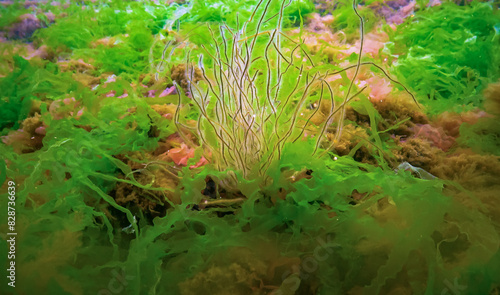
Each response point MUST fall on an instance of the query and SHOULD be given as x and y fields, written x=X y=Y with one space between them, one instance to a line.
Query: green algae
x=94 y=21
x=380 y=229
x=28 y=83
x=450 y=54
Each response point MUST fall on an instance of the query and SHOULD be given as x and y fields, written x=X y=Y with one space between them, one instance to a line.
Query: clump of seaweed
x=447 y=54
x=251 y=103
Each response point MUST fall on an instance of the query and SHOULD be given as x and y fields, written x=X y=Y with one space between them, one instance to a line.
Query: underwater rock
x=395 y=11
x=320 y=24
x=26 y=25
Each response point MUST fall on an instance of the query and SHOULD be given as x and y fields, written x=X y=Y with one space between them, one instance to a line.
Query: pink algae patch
x=182 y=154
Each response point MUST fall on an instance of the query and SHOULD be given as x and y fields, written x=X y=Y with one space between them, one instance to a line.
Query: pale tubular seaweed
x=242 y=106
x=250 y=102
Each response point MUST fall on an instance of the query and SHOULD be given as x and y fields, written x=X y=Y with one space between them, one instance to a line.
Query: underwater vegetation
x=250 y=147
x=450 y=53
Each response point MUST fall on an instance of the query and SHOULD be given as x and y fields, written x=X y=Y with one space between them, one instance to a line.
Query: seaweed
x=10 y=13
x=137 y=193
x=482 y=137
x=28 y=83
x=66 y=181
x=91 y=22
x=323 y=199
x=222 y=11
x=258 y=93
x=448 y=54
x=343 y=18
